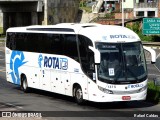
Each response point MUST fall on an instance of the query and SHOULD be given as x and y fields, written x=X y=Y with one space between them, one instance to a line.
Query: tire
x=78 y=95
x=24 y=84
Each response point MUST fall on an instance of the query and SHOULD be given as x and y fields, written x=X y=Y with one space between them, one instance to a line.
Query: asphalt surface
x=60 y=107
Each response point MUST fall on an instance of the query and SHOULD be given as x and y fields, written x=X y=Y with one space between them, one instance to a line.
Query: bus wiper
x=133 y=74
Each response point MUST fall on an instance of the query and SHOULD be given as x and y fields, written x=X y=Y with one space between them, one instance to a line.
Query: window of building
x=140 y=13
x=151 y=14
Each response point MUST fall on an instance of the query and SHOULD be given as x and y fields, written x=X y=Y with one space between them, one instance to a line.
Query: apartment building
x=146 y=8
x=128 y=4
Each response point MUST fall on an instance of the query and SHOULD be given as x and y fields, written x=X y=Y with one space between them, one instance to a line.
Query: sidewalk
x=1 y=48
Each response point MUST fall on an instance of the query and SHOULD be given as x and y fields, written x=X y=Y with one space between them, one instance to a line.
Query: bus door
x=57 y=84
x=45 y=80
x=65 y=78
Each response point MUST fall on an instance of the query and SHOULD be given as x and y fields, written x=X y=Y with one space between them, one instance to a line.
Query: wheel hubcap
x=24 y=85
x=79 y=94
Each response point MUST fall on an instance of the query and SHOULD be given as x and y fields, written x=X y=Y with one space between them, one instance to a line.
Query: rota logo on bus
x=53 y=62
x=135 y=86
x=122 y=36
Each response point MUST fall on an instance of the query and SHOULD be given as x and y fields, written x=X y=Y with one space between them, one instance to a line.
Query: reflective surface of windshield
x=121 y=62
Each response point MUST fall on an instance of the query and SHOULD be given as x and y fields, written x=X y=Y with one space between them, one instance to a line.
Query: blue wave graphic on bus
x=16 y=61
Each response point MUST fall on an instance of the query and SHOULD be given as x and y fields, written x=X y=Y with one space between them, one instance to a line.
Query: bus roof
x=94 y=31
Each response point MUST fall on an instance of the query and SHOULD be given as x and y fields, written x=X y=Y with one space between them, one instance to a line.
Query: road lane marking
x=2 y=67
x=156 y=68
x=153 y=74
x=12 y=105
x=2 y=105
x=3 y=70
x=158 y=55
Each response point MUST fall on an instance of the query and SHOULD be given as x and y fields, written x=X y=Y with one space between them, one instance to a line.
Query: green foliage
x=82 y=4
x=1 y=33
x=137 y=29
x=87 y=9
x=153 y=93
x=1 y=30
x=109 y=15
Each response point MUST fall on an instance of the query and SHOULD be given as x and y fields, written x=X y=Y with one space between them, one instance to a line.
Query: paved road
x=153 y=69
x=13 y=99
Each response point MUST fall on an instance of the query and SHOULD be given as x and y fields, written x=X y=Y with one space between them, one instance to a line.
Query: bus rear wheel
x=79 y=95
x=24 y=84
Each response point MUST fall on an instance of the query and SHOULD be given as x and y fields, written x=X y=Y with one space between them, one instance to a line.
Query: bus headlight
x=105 y=90
x=142 y=89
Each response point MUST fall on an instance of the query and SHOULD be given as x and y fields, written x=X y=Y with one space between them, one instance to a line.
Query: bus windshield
x=121 y=62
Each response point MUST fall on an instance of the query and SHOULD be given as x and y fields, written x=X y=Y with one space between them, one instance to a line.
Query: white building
x=146 y=8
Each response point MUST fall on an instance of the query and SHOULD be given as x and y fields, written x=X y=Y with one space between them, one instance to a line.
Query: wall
x=37 y=12
x=128 y=4
x=108 y=22
x=126 y=15
x=60 y=11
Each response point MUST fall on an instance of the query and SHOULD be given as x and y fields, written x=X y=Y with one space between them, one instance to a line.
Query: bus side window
x=86 y=55
x=8 y=40
x=70 y=46
x=20 y=42
x=91 y=60
x=56 y=47
x=11 y=41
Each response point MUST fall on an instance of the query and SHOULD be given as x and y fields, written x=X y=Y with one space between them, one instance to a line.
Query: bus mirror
x=152 y=52
x=96 y=55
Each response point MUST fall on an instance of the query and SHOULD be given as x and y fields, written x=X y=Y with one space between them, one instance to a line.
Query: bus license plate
x=126 y=97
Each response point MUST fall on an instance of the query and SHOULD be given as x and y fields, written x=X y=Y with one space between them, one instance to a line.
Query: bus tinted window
x=62 y=44
x=86 y=55
x=11 y=41
x=70 y=46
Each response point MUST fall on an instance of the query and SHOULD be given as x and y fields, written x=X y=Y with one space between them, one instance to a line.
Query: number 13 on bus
x=100 y=63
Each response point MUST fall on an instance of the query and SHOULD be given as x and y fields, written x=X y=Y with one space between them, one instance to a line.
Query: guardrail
x=146 y=5
x=155 y=45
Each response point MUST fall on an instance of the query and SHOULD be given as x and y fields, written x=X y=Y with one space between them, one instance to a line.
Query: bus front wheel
x=78 y=95
x=24 y=84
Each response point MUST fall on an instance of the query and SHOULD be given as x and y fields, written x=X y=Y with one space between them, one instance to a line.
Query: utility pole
x=122 y=12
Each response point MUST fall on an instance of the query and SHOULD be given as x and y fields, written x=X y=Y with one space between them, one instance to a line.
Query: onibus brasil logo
x=16 y=61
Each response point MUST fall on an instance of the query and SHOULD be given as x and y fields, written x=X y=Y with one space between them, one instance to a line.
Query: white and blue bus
x=100 y=63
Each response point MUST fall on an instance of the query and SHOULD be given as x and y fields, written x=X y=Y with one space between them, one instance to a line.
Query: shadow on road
x=100 y=106
x=70 y=100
